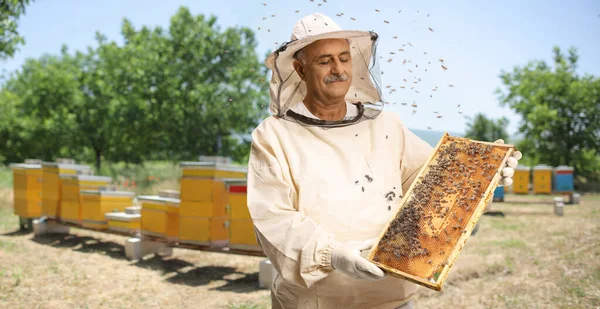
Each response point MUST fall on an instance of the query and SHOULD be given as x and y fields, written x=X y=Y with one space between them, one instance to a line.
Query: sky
x=475 y=39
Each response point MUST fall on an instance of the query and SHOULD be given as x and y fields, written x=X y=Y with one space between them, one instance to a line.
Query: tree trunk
x=98 y=160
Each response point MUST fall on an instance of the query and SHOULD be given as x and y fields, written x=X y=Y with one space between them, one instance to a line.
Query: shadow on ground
x=176 y=270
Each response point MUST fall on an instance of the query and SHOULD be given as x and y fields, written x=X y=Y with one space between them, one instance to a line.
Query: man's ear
x=299 y=69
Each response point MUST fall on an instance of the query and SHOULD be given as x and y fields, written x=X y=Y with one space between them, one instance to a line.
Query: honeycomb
x=437 y=214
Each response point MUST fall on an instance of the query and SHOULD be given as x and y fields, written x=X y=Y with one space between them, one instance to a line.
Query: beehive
x=437 y=214
x=96 y=203
x=542 y=179
x=27 y=189
x=521 y=180
x=241 y=228
x=70 y=203
x=563 y=179
x=52 y=185
x=123 y=222
x=203 y=214
x=160 y=216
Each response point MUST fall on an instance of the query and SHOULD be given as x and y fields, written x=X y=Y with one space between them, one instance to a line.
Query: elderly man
x=321 y=166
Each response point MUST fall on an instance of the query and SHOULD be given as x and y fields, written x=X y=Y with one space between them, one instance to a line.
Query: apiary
x=542 y=179
x=241 y=228
x=160 y=216
x=437 y=214
x=52 y=185
x=70 y=202
x=95 y=203
x=27 y=188
x=123 y=222
x=203 y=212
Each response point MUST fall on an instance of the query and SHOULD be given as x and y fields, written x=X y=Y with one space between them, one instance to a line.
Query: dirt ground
x=528 y=259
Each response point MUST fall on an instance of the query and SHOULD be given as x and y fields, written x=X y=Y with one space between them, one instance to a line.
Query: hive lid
x=213 y=165
x=107 y=193
x=133 y=210
x=86 y=177
x=156 y=198
x=24 y=166
x=67 y=166
x=121 y=216
x=216 y=159
x=235 y=182
x=523 y=168
x=542 y=167
x=564 y=168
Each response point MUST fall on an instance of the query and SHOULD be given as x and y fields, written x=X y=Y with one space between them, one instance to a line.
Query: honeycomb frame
x=425 y=252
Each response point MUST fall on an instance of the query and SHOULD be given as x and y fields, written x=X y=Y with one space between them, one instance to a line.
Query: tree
x=176 y=94
x=483 y=129
x=10 y=11
x=560 y=112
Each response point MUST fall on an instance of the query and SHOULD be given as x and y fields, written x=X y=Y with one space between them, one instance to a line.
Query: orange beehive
x=439 y=211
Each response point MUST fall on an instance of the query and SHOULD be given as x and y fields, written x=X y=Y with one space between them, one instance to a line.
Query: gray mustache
x=335 y=78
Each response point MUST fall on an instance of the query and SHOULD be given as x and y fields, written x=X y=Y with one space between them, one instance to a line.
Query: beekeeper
x=320 y=168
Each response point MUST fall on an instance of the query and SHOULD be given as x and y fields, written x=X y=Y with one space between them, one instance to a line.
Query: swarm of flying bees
x=407 y=48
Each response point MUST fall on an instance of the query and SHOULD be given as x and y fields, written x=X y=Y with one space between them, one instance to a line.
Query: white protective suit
x=311 y=188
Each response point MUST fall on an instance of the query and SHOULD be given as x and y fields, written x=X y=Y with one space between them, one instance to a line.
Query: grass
x=528 y=259
x=5 y=177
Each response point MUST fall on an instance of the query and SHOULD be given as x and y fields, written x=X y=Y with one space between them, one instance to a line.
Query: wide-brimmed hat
x=287 y=88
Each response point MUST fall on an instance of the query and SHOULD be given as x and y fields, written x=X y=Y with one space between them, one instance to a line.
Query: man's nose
x=336 y=67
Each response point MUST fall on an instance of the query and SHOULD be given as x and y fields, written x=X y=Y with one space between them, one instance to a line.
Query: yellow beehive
x=96 y=203
x=521 y=180
x=27 y=190
x=124 y=222
x=241 y=228
x=204 y=200
x=52 y=185
x=70 y=203
x=203 y=231
x=423 y=239
x=542 y=179
x=160 y=216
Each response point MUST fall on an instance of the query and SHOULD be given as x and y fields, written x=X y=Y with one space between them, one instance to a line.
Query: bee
x=430 y=262
x=430 y=29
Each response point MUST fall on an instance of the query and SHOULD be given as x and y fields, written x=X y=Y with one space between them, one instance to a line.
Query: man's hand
x=347 y=259
x=509 y=170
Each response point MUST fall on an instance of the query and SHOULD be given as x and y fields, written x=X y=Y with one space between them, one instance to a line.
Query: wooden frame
x=468 y=225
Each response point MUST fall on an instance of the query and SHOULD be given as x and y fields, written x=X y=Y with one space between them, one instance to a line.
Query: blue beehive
x=563 y=179
x=499 y=194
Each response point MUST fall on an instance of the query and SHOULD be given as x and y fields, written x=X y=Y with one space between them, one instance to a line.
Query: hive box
x=241 y=228
x=521 y=179
x=70 y=205
x=203 y=213
x=123 y=222
x=542 y=179
x=52 y=185
x=563 y=179
x=96 y=203
x=27 y=189
x=160 y=216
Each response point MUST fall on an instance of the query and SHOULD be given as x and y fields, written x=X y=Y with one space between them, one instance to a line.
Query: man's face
x=328 y=69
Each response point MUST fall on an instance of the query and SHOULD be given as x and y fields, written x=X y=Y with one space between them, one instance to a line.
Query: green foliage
x=481 y=128
x=560 y=112
x=10 y=11
x=170 y=94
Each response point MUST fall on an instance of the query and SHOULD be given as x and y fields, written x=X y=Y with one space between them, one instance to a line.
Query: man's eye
x=345 y=60
x=325 y=62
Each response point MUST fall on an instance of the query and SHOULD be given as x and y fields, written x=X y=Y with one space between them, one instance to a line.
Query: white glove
x=509 y=170
x=346 y=258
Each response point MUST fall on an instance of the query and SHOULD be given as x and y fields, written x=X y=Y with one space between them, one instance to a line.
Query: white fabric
x=287 y=87
x=308 y=193
x=300 y=108
x=509 y=170
x=347 y=258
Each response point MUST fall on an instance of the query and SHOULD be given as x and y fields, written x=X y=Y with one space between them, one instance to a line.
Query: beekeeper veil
x=288 y=89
